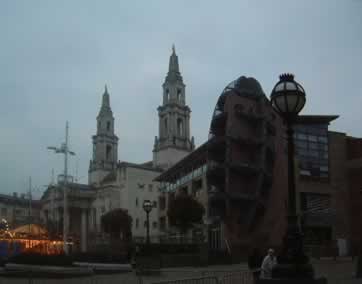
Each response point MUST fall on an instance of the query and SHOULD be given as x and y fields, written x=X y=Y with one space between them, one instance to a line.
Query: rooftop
x=194 y=160
x=314 y=119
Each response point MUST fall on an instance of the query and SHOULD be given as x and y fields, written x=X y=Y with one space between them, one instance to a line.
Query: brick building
x=240 y=176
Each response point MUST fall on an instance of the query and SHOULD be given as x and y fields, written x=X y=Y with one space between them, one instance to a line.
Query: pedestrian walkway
x=337 y=271
x=340 y=271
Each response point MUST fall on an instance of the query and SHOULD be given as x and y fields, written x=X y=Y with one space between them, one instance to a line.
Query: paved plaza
x=339 y=271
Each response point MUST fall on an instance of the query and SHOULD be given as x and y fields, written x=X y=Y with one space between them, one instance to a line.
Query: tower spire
x=173 y=67
x=174 y=119
x=105 y=143
x=106 y=106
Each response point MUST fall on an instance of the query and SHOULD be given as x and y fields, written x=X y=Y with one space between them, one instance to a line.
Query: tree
x=117 y=221
x=184 y=212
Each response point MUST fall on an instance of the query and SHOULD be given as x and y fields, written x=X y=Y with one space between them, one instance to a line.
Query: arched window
x=180 y=127
x=108 y=125
x=179 y=95
x=108 y=152
x=167 y=95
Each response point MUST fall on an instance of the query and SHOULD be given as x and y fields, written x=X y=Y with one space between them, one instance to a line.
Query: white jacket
x=267 y=266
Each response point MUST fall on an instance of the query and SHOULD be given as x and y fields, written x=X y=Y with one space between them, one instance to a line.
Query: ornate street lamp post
x=288 y=99
x=147 y=206
x=64 y=149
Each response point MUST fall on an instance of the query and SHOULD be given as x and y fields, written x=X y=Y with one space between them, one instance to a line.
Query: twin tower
x=173 y=141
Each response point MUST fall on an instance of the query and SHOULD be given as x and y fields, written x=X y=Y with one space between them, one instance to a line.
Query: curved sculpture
x=247 y=167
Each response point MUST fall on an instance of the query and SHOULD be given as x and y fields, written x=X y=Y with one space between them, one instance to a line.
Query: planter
x=26 y=270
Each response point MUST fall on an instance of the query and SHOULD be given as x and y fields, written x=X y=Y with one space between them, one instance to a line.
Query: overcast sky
x=56 y=57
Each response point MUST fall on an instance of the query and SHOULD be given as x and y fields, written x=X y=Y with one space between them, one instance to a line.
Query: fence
x=165 y=276
x=214 y=277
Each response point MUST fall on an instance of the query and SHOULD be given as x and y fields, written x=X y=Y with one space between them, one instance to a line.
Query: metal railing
x=213 y=277
x=163 y=276
x=242 y=277
x=199 y=280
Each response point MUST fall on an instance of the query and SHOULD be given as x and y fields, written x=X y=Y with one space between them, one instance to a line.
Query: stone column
x=160 y=125
x=83 y=233
x=174 y=125
x=187 y=126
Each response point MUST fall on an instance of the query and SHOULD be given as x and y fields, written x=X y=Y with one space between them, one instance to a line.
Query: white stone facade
x=113 y=184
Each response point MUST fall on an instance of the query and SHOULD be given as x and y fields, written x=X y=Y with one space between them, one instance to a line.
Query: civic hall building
x=120 y=184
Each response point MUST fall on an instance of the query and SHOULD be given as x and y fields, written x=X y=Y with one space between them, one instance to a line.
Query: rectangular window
x=4 y=212
x=301 y=144
x=183 y=190
x=162 y=223
x=137 y=223
x=150 y=186
x=108 y=152
x=196 y=186
x=312 y=149
x=313 y=146
x=314 y=202
x=324 y=168
x=94 y=217
x=305 y=172
x=322 y=139
x=162 y=202
x=302 y=136
x=154 y=225
x=154 y=204
x=312 y=138
x=313 y=153
x=303 y=152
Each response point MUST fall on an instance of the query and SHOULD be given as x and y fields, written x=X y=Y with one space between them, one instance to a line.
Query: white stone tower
x=173 y=142
x=105 y=144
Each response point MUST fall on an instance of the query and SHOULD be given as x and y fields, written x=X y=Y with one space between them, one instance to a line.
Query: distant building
x=349 y=193
x=354 y=176
x=18 y=210
x=188 y=175
x=319 y=173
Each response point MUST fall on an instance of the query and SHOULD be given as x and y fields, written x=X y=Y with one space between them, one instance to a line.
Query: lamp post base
x=293 y=271
x=293 y=263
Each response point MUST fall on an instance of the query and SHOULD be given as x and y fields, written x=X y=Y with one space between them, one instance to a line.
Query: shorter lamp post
x=147 y=206
x=288 y=99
